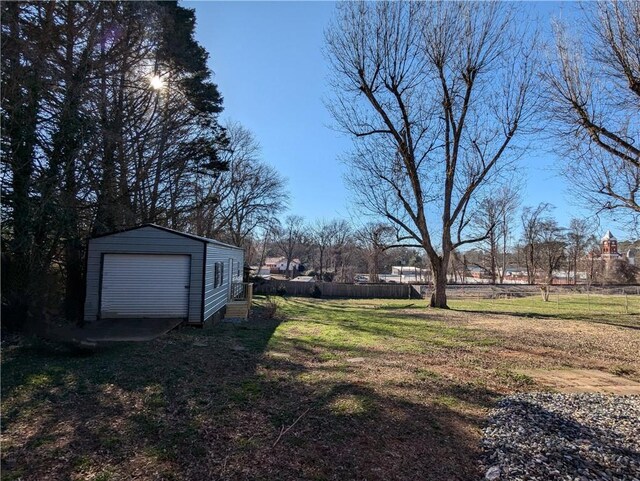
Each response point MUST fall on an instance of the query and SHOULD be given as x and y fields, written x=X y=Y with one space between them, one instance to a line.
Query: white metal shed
x=155 y=272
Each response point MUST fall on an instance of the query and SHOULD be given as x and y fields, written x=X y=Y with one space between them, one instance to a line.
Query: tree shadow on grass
x=351 y=431
x=169 y=409
x=66 y=413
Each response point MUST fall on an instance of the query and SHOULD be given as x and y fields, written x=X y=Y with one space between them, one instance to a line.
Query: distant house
x=261 y=271
x=278 y=265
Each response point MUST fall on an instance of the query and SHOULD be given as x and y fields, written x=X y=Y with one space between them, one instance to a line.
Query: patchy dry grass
x=607 y=309
x=376 y=389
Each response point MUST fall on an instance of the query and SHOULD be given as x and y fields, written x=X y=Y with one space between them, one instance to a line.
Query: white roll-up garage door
x=145 y=285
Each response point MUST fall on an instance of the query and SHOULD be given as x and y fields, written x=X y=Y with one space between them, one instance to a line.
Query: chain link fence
x=562 y=300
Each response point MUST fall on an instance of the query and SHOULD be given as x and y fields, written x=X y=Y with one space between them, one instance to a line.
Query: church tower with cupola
x=609 y=246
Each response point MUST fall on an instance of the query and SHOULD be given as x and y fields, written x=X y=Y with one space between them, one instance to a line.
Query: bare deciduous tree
x=551 y=252
x=579 y=238
x=493 y=216
x=533 y=220
x=328 y=238
x=268 y=232
x=248 y=196
x=374 y=240
x=594 y=97
x=322 y=234
x=543 y=246
x=433 y=95
x=290 y=237
x=339 y=246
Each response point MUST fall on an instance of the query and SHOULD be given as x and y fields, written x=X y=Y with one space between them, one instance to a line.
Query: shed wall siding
x=146 y=240
x=216 y=298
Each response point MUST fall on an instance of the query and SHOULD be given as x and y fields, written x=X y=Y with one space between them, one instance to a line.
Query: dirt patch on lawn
x=584 y=380
x=539 y=344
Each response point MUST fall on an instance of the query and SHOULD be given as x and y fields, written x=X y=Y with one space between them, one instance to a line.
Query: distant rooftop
x=608 y=236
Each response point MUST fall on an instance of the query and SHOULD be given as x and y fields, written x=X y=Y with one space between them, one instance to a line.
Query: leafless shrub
x=269 y=308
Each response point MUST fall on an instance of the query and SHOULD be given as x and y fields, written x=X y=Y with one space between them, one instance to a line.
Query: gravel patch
x=573 y=437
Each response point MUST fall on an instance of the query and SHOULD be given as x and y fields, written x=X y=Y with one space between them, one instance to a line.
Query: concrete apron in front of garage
x=584 y=380
x=116 y=330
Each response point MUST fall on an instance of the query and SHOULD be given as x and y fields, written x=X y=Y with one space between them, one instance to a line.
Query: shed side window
x=218 y=274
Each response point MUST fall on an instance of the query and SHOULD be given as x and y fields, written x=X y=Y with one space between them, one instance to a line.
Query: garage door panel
x=145 y=285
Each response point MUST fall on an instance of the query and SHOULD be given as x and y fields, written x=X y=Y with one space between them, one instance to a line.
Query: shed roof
x=183 y=234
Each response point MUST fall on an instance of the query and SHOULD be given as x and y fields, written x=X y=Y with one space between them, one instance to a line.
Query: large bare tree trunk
x=493 y=250
x=439 y=295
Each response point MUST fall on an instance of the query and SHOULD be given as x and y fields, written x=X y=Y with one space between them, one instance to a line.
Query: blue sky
x=268 y=64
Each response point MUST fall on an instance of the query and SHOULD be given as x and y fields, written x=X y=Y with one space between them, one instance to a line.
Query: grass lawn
x=332 y=390
x=610 y=309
